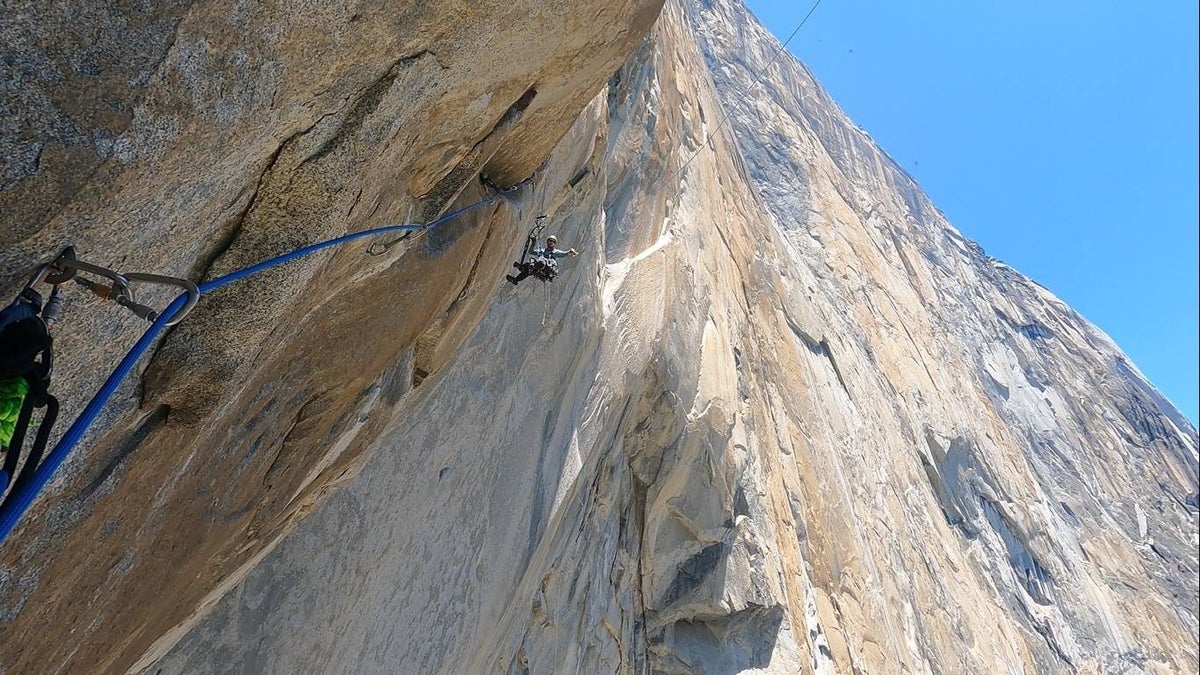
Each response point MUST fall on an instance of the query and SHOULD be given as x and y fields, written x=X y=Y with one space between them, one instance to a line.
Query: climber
x=27 y=356
x=542 y=262
x=26 y=361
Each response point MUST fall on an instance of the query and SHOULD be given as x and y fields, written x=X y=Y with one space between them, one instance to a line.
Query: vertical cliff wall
x=192 y=138
x=779 y=416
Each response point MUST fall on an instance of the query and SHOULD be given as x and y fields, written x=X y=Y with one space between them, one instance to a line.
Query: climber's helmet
x=551 y=241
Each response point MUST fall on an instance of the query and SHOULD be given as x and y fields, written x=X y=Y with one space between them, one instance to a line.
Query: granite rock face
x=193 y=138
x=779 y=416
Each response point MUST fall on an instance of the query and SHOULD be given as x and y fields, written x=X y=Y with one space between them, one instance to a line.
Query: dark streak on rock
x=442 y=193
x=123 y=450
x=692 y=573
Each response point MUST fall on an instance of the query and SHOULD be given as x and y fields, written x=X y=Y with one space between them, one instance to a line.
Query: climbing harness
x=544 y=269
x=27 y=350
x=26 y=362
x=35 y=475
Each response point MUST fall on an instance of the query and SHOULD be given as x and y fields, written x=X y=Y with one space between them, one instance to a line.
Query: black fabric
x=539 y=268
x=39 y=441
x=25 y=345
x=18 y=437
x=21 y=345
x=26 y=351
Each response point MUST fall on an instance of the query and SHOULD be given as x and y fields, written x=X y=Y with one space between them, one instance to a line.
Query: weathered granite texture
x=779 y=417
x=192 y=138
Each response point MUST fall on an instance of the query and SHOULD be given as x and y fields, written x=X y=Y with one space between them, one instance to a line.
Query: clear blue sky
x=1061 y=136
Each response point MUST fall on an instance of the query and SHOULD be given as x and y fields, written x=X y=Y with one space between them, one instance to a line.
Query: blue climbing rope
x=21 y=498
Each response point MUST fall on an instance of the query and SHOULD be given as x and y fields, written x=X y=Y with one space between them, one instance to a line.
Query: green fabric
x=12 y=395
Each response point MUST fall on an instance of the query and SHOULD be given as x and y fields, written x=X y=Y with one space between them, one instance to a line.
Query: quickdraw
x=27 y=350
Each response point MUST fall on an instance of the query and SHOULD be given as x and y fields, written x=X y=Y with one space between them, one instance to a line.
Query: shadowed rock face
x=193 y=138
x=778 y=417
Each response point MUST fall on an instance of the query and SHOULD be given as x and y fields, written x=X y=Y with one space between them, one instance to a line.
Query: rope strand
x=17 y=502
x=756 y=80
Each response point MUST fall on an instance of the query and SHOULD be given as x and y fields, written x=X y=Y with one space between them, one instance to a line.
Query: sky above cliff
x=1060 y=136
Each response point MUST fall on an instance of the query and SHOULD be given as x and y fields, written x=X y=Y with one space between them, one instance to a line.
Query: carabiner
x=67 y=266
x=193 y=292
